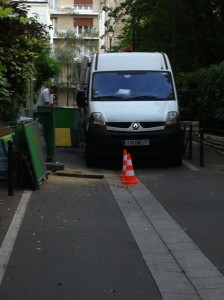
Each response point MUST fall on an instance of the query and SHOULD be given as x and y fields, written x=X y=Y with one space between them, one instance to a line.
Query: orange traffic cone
x=130 y=175
x=125 y=156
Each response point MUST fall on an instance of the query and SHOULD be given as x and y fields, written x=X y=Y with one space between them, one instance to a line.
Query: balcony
x=76 y=10
x=87 y=34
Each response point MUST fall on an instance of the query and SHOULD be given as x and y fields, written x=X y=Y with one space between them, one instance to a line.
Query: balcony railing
x=83 y=8
x=94 y=34
x=70 y=9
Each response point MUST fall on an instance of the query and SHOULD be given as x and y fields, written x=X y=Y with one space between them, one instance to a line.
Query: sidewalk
x=8 y=206
x=74 y=242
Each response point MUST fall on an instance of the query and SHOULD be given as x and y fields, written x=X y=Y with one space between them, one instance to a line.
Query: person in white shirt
x=44 y=98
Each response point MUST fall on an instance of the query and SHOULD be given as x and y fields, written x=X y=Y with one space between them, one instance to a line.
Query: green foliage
x=4 y=85
x=68 y=51
x=46 y=67
x=4 y=12
x=22 y=42
x=190 y=32
x=205 y=89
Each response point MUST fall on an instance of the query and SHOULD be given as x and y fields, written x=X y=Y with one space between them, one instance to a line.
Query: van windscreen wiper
x=146 y=97
x=109 y=98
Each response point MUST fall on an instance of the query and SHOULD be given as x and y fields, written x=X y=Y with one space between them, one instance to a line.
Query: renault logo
x=135 y=126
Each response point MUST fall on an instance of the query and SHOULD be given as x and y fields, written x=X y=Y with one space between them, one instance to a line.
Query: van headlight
x=172 y=120
x=97 y=122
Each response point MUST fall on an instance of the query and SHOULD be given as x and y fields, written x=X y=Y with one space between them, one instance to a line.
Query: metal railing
x=193 y=132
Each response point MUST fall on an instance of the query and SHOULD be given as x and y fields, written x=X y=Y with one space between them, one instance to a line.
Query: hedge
x=205 y=95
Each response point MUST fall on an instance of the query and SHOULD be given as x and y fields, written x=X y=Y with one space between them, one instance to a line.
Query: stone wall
x=216 y=142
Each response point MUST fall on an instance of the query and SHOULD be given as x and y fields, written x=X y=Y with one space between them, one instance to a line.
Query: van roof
x=130 y=61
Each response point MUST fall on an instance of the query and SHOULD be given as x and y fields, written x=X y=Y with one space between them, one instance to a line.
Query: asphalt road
x=92 y=238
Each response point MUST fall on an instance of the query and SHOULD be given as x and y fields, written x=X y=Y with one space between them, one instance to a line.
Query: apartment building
x=79 y=16
x=88 y=19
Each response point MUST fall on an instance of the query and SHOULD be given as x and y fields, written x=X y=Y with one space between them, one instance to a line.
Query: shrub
x=205 y=90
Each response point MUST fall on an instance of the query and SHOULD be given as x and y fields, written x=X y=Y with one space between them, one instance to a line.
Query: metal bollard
x=190 y=142
x=201 y=132
x=10 y=168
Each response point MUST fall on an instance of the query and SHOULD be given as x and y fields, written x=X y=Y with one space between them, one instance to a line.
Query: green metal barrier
x=46 y=117
x=66 y=126
x=30 y=153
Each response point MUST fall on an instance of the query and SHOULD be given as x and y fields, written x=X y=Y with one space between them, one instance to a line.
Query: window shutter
x=83 y=22
x=82 y=2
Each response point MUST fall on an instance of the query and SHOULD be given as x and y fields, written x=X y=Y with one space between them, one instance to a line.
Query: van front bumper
x=163 y=142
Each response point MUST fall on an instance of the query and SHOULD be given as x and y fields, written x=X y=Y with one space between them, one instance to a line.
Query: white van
x=130 y=102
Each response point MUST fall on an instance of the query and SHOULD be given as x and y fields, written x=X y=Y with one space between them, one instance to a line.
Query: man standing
x=44 y=98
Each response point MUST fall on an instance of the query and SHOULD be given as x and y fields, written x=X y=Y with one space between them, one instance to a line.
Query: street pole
x=110 y=42
x=110 y=33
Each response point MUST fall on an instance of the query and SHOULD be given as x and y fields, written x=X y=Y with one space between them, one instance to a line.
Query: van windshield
x=132 y=86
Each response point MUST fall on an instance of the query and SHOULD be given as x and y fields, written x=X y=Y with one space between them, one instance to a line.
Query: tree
x=46 y=68
x=189 y=31
x=22 y=42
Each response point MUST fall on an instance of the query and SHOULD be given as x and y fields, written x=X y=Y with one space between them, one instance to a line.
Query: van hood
x=132 y=111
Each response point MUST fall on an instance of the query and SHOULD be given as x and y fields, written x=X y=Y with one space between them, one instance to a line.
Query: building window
x=83 y=5
x=83 y=8
x=80 y=30
x=54 y=4
x=82 y=25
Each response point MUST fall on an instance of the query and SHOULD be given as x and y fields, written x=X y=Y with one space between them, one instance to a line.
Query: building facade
x=109 y=30
x=78 y=16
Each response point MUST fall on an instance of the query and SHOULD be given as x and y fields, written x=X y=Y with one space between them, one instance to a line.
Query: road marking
x=178 y=266
x=10 y=238
x=190 y=166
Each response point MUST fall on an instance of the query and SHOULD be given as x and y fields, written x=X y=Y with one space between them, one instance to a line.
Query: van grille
x=119 y=124
x=151 y=124
x=128 y=124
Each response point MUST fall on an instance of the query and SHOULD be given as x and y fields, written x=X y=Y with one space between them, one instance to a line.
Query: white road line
x=10 y=238
x=180 y=269
x=190 y=166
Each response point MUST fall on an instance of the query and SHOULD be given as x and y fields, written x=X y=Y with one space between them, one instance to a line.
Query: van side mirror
x=81 y=98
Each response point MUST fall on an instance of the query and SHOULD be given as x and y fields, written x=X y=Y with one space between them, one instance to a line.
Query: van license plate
x=135 y=142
